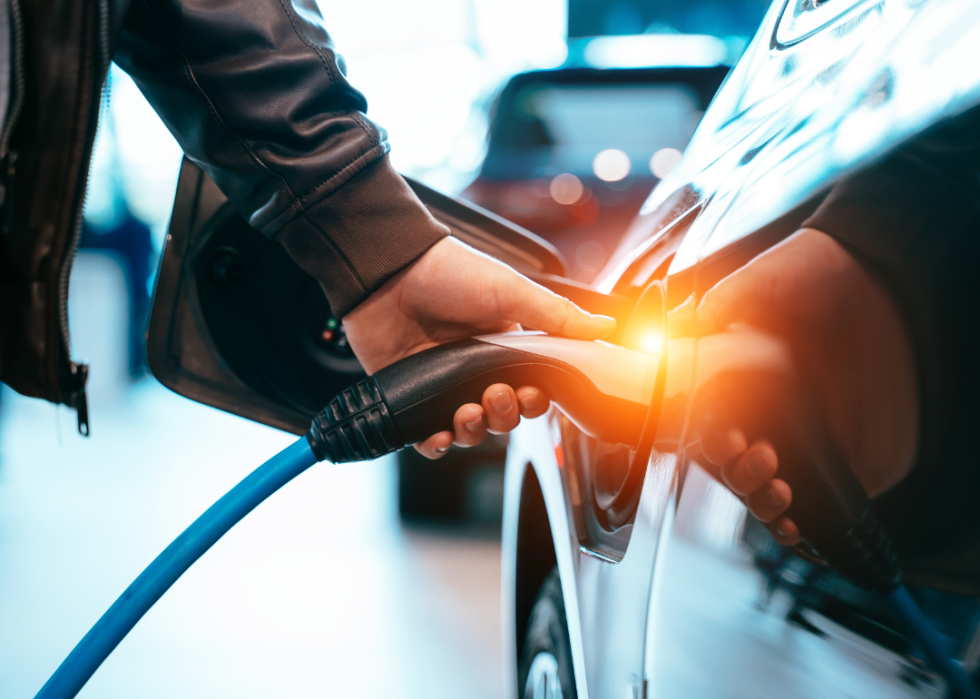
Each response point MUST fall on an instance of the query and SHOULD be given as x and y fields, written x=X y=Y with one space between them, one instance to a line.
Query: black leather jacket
x=255 y=93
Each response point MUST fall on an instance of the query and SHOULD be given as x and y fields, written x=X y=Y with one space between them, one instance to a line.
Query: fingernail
x=474 y=425
x=758 y=465
x=442 y=450
x=529 y=403
x=775 y=499
x=501 y=402
x=782 y=529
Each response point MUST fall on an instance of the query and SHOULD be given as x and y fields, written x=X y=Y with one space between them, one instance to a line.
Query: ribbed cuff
x=355 y=240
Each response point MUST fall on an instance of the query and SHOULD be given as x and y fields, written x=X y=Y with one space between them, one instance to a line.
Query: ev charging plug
x=603 y=388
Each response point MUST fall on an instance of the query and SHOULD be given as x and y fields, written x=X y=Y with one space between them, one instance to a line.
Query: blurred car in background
x=574 y=152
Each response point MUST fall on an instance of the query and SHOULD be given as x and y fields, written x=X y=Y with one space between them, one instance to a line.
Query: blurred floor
x=319 y=592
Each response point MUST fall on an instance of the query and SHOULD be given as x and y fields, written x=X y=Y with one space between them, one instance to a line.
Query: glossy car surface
x=692 y=598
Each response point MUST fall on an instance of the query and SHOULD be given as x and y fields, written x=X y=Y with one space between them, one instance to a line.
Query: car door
x=818 y=95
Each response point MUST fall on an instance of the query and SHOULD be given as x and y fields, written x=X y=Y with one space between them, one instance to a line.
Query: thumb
x=741 y=296
x=531 y=305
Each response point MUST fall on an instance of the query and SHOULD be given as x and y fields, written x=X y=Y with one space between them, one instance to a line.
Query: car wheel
x=546 y=670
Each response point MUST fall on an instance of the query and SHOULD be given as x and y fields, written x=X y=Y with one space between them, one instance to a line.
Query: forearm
x=256 y=93
x=912 y=219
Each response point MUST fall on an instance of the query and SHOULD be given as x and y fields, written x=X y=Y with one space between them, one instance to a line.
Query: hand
x=845 y=333
x=453 y=292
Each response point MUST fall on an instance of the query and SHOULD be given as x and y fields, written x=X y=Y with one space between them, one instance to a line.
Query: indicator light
x=327 y=335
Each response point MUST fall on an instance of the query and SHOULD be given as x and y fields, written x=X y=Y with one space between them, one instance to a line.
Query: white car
x=679 y=594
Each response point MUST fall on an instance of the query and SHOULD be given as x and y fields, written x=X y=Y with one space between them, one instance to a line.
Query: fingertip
x=785 y=531
x=436 y=446
x=605 y=325
x=501 y=409
x=470 y=425
x=753 y=469
x=770 y=501
x=532 y=401
x=723 y=446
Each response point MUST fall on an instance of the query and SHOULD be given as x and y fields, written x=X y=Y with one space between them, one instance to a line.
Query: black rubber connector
x=355 y=426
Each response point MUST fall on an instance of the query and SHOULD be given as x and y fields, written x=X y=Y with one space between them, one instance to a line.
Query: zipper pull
x=79 y=399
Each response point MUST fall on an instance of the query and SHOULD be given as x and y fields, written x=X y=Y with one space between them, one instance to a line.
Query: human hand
x=453 y=292
x=845 y=333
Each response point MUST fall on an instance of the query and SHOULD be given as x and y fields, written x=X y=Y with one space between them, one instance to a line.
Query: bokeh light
x=663 y=161
x=566 y=188
x=590 y=256
x=611 y=165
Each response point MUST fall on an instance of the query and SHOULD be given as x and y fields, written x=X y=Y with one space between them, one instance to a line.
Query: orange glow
x=651 y=342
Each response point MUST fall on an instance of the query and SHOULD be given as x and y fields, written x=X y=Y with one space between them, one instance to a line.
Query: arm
x=877 y=298
x=255 y=92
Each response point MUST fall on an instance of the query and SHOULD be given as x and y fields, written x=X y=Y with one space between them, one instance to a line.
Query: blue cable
x=200 y=536
x=166 y=568
x=961 y=686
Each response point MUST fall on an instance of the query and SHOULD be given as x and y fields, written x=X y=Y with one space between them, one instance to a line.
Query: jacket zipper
x=7 y=158
x=17 y=58
x=79 y=372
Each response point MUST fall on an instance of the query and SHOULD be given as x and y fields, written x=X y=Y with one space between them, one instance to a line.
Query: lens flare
x=651 y=342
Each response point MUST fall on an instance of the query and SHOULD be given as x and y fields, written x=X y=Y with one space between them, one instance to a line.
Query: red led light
x=327 y=335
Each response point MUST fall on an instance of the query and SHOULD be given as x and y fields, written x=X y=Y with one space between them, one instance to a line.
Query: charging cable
x=602 y=388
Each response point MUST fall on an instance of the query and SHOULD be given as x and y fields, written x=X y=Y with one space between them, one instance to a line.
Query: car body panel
x=814 y=98
x=714 y=633
x=600 y=598
x=788 y=123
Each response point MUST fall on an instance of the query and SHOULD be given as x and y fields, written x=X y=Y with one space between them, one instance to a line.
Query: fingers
x=533 y=306
x=723 y=446
x=501 y=409
x=751 y=470
x=734 y=298
x=435 y=446
x=750 y=474
x=469 y=425
x=770 y=501
x=500 y=412
x=785 y=531
x=532 y=401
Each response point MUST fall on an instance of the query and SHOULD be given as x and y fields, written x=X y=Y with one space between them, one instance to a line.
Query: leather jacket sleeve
x=256 y=94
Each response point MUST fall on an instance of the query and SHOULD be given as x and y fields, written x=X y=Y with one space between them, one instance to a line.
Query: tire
x=546 y=670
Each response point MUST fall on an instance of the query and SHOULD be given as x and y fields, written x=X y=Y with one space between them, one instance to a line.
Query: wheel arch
x=535 y=552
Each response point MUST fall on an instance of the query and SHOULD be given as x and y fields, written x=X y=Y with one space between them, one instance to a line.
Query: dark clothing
x=255 y=93
x=914 y=218
x=59 y=55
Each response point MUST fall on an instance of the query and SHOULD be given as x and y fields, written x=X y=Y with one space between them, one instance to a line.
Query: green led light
x=332 y=323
